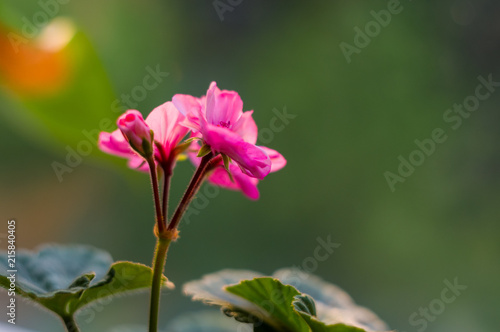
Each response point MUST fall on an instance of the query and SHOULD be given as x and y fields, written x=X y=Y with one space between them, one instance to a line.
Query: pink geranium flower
x=238 y=180
x=246 y=129
x=242 y=182
x=220 y=120
x=164 y=121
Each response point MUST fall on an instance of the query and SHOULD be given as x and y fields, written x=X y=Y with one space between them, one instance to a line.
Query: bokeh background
x=353 y=120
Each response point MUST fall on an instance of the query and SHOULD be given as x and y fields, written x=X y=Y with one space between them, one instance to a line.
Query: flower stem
x=156 y=195
x=194 y=185
x=167 y=174
x=158 y=265
x=165 y=236
x=70 y=324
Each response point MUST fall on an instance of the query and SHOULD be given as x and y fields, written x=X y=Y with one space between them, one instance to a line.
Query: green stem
x=194 y=185
x=158 y=266
x=167 y=174
x=156 y=195
x=166 y=236
x=160 y=250
x=70 y=324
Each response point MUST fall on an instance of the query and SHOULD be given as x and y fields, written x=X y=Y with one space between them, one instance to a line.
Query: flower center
x=224 y=124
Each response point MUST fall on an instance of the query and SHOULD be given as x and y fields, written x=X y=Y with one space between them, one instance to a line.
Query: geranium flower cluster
x=215 y=123
x=220 y=140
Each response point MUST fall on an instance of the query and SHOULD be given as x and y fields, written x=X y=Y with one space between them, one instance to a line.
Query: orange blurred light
x=36 y=67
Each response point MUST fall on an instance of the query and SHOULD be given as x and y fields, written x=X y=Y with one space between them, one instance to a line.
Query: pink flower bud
x=137 y=132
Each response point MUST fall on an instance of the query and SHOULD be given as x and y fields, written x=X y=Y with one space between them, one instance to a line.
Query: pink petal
x=277 y=160
x=191 y=107
x=223 y=108
x=252 y=160
x=245 y=183
x=220 y=178
x=114 y=143
x=246 y=127
x=165 y=121
x=138 y=163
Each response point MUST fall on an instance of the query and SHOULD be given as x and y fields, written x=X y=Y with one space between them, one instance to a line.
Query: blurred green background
x=352 y=122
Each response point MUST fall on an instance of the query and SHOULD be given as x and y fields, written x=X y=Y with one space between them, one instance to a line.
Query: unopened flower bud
x=137 y=132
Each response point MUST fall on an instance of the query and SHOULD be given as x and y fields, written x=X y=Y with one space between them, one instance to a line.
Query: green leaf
x=65 y=279
x=274 y=299
x=182 y=147
x=210 y=289
x=334 y=306
x=122 y=277
x=227 y=161
x=305 y=306
x=262 y=301
x=246 y=317
x=191 y=139
x=239 y=315
x=304 y=303
x=204 y=150
x=291 y=300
